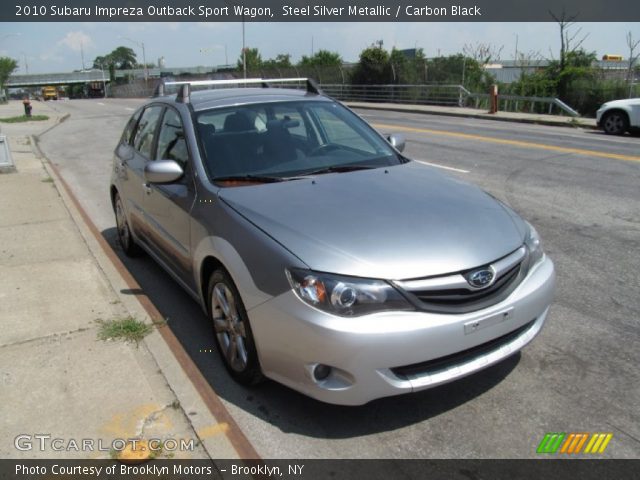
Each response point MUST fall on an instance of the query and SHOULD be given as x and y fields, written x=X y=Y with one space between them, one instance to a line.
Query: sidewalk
x=539 y=119
x=56 y=377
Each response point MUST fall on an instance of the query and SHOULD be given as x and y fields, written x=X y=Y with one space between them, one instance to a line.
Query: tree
x=282 y=60
x=254 y=59
x=569 y=43
x=483 y=53
x=7 y=67
x=122 y=58
x=633 y=57
x=374 y=66
x=322 y=58
x=568 y=40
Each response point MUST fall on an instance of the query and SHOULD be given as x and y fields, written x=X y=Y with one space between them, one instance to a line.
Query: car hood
x=627 y=102
x=401 y=222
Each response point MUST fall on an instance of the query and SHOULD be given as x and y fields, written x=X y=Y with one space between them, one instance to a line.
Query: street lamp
x=144 y=56
x=26 y=64
x=213 y=48
x=244 y=51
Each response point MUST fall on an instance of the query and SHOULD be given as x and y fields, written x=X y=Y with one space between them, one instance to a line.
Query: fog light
x=321 y=372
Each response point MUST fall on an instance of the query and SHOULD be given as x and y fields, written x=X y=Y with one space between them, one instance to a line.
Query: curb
x=481 y=116
x=180 y=374
x=59 y=120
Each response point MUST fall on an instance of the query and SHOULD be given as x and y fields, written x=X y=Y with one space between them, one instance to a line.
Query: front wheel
x=233 y=332
x=615 y=123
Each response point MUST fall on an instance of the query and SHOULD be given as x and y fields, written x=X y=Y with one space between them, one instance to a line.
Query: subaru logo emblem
x=481 y=278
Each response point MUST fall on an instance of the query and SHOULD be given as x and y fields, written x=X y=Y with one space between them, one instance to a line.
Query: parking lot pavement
x=58 y=380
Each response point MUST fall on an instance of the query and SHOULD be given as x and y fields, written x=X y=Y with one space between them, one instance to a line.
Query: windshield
x=288 y=139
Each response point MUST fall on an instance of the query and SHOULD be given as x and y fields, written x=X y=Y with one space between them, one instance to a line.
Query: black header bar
x=318 y=10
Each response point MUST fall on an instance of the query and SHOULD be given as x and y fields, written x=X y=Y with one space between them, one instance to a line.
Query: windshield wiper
x=248 y=178
x=338 y=169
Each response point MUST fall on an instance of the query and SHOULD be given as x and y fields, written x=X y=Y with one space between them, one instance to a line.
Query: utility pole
x=26 y=64
x=144 y=57
x=244 y=51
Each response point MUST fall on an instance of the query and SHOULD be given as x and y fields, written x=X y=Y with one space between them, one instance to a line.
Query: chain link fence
x=583 y=96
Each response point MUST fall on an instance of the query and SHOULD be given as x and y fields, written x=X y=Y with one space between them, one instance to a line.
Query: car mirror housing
x=397 y=141
x=163 y=171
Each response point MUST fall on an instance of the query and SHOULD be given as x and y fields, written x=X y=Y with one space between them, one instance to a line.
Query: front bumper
x=389 y=353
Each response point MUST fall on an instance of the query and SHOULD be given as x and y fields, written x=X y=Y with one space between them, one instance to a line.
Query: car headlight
x=345 y=296
x=534 y=245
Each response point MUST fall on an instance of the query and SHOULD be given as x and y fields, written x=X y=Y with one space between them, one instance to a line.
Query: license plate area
x=494 y=319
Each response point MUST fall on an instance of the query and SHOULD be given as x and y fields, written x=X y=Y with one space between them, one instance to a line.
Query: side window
x=144 y=136
x=128 y=130
x=172 y=144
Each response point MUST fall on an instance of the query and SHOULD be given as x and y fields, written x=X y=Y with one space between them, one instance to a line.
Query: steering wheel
x=327 y=147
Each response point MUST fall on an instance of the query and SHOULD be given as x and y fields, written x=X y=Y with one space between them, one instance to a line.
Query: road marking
x=515 y=143
x=129 y=108
x=100 y=103
x=442 y=166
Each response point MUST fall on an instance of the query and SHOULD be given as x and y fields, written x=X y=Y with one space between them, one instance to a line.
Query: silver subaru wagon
x=325 y=259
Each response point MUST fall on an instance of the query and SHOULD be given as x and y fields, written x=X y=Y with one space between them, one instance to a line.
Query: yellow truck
x=50 y=93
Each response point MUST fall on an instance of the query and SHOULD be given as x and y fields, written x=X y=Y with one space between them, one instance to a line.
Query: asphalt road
x=581 y=189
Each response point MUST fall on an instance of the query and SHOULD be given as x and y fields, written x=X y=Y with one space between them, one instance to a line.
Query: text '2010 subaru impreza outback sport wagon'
x=325 y=259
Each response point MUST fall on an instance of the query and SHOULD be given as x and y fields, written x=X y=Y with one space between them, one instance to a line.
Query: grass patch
x=47 y=180
x=24 y=118
x=127 y=328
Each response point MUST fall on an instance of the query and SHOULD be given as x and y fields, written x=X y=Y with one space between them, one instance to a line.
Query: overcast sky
x=58 y=47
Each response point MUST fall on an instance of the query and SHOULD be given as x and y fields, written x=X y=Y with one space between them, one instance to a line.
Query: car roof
x=223 y=97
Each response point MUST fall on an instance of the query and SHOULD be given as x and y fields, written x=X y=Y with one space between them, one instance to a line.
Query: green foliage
x=373 y=67
x=578 y=84
x=282 y=60
x=7 y=67
x=122 y=58
x=127 y=328
x=459 y=69
x=253 y=57
x=24 y=118
x=322 y=58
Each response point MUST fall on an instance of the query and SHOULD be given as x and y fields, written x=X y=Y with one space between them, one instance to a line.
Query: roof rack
x=184 y=92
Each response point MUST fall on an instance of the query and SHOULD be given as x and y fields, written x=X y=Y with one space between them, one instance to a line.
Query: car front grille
x=459 y=358
x=453 y=293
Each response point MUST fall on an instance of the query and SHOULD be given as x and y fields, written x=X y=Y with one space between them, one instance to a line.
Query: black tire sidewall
x=130 y=248
x=625 y=122
x=252 y=372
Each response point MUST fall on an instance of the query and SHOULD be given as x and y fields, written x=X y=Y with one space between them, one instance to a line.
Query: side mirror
x=162 y=171
x=397 y=141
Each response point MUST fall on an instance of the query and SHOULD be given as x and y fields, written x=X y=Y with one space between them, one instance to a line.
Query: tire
x=125 y=238
x=615 y=123
x=234 y=337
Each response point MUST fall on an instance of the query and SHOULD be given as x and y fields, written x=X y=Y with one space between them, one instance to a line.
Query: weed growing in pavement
x=127 y=328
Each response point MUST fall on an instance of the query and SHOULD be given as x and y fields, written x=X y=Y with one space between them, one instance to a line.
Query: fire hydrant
x=27 y=106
